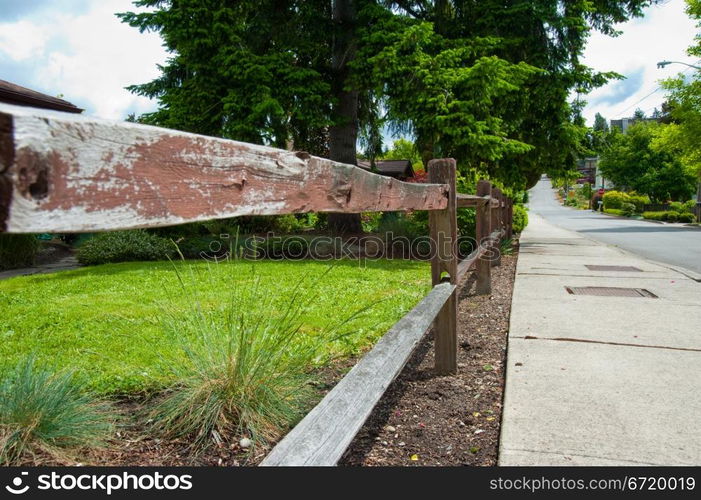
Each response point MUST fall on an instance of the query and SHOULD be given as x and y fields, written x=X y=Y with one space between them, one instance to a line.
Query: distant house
x=11 y=93
x=399 y=169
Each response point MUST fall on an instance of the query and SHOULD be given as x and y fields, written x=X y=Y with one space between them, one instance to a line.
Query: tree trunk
x=343 y=135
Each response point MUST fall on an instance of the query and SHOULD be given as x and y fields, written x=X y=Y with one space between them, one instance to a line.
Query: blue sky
x=79 y=49
x=663 y=34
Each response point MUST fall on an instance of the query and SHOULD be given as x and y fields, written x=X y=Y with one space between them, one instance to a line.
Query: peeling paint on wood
x=6 y=159
x=70 y=173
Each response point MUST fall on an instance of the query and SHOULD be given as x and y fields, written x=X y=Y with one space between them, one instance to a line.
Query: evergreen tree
x=600 y=123
x=486 y=81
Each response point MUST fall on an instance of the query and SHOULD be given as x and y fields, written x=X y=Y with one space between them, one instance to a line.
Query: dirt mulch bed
x=135 y=445
x=425 y=419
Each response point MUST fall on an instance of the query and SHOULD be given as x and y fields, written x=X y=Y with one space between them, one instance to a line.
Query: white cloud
x=21 y=40
x=663 y=34
x=88 y=57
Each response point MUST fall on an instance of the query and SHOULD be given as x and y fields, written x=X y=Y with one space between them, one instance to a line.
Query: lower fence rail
x=322 y=437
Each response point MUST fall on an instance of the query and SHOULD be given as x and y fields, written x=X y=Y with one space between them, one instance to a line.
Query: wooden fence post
x=484 y=228
x=496 y=226
x=444 y=235
x=509 y=218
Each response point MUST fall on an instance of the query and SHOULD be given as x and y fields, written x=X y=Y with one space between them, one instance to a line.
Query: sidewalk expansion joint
x=638 y=277
x=582 y=455
x=622 y=344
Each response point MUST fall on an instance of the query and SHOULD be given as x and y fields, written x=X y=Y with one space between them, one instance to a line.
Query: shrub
x=688 y=207
x=676 y=206
x=287 y=224
x=520 y=220
x=246 y=366
x=416 y=226
x=322 y=221
x=628 y=209
x=506 y=246
x=639 y=200
x=207 y=246
x=672 y=216
x=615 y=199
x=655 y=215
x=17 y=250
x=614 y=211
x=586 y=191
x=45 y=413
x=372 y=220
x=125 y=246
x=685 y=217
x=410 y=226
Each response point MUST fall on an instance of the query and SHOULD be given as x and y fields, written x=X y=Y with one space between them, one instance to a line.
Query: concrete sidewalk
x=600 y=380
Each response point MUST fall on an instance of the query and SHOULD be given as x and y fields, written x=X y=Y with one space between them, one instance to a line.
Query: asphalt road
x=671 y=244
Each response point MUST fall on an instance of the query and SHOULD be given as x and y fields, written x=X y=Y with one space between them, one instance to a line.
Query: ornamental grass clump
x=247 y=365
x=47 y=415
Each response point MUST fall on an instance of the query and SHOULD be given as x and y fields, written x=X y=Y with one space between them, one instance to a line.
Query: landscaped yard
x=107 y=321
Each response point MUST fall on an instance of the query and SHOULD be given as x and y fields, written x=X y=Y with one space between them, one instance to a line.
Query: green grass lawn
x=106 y=321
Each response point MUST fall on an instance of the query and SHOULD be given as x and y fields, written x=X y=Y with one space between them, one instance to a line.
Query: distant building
x=601 y=182
x=625 y=123
x=399 y=169
x=11 y=93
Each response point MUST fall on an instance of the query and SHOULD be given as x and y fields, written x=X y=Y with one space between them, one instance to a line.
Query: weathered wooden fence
x=65 y=173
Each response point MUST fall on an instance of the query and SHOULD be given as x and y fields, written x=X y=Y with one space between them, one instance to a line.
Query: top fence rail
x=65 y=173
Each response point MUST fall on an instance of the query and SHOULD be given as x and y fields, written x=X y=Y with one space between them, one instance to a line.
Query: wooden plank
x=471 y=200
x=443 y=226
x=69 y=173
x=323 y=435
x=468 y=262
x=496 y=225
x=483 y=284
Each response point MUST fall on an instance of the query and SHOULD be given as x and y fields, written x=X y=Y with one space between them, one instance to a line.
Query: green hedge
x=655 y=215
x=615 y=211
x=688 y=206
x=125 y=246
x=628 y=209
x=520 y=219
x=618 y=200
x=17 y=250
x=615 y=199
x=670 y=216
x=639 y=200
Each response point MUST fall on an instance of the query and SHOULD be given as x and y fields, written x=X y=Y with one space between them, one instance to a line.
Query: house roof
x=21 y=96
x=393 y=168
